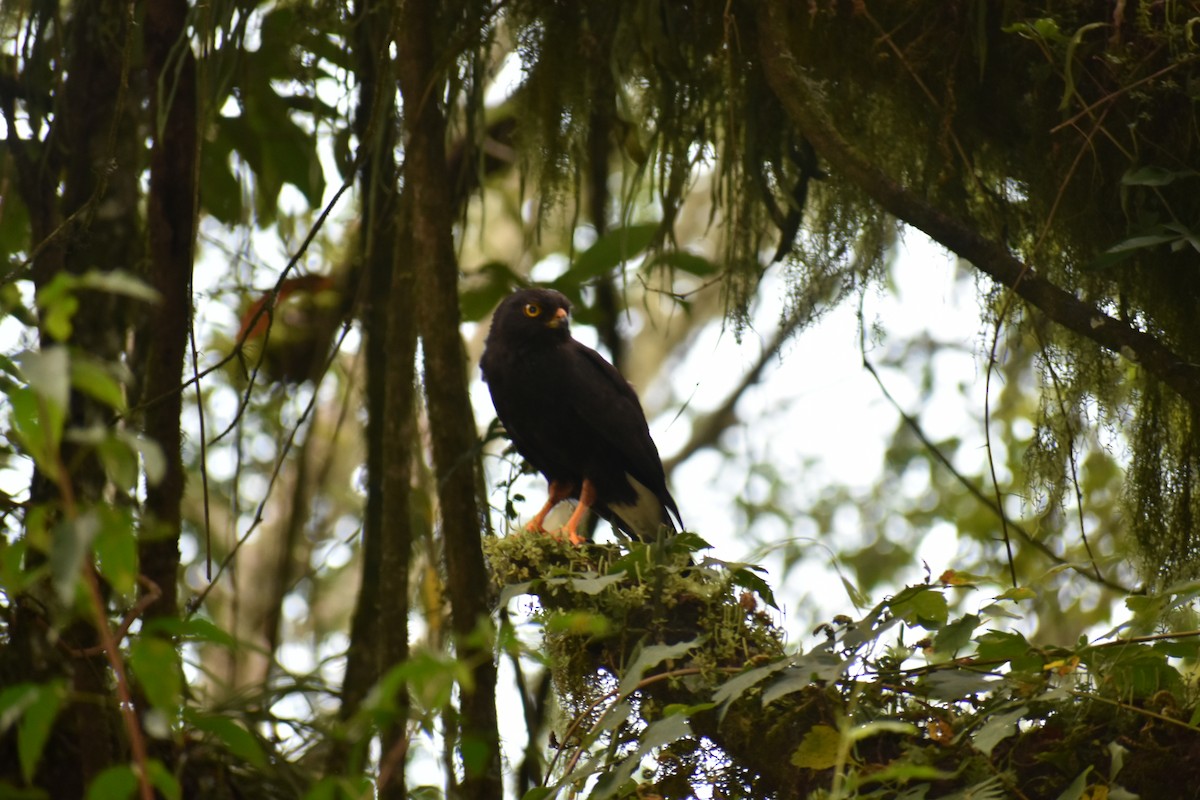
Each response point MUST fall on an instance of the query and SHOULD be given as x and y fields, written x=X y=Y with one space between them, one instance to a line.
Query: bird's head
x=531 y=316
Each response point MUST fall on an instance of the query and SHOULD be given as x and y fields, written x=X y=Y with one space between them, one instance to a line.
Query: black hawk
x=574 y=417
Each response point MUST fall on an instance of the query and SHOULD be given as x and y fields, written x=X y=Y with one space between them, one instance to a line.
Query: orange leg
x=587 y=496
x=559 y=491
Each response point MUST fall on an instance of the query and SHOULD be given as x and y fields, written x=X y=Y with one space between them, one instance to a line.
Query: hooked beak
x=559 y=319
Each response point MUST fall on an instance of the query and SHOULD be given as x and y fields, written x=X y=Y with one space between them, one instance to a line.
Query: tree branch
x=708 y=429
x=800 y=101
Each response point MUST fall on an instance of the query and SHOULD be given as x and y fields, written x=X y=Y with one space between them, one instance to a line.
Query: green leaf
x=36 y=724
x=647 y=657
x=689 y=542
x=16 y=572
x=880 y=726
x=1108 y=260
x=49 y=374
x=220 y=193
x=430 y=678
x=1042 y=28
x=1142 y=242
x=1078 y=786
x=662 y=731
x=155 y=662
x=10 y=792
x=747 y=579
x=116 y=548
x=119 y=282
x=579 y=623
x=956 y=684
x=1069 y=64
x=595 y=584
x=511 y=590
x=1001 y=646
x=991 y=788
x=120 y=462
x=237 y=740
x=71 y=543
x=154 y=463
x=733 y=688
x=273 y=145
x=1132 y=670
x=606 y=253
x=818 y=749
x=98 y=381
x=857 y=597
x=117 y=782
x=1116 y=759
x=956 y=635
x=57 y=304
x=687 y=262
x=39 y=440
x=14 y=222
x=32 y=707
x=687 y=710
x=484 y=289
x=1183 y=648
x=11 y=301
x=921 y=605
x=195 y=629
x=1152 y=175
x=162 y=780
x=615 y=780
x=324 y=789
x=996 y=729
x=900 y=771
x=815 y=667
x=13 y=702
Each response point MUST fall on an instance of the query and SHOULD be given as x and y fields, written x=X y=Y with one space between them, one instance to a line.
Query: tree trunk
x=452 y=425
x=171 y=219
x=379 y=630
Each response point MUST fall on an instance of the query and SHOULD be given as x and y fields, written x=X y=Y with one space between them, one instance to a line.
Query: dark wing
x=609 y=406
x=536 y=421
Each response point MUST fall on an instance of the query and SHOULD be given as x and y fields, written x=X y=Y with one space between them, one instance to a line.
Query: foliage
x=263 y=579
x=652 y=651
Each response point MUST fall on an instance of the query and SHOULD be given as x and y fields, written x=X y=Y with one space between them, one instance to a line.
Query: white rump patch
x=645 y=515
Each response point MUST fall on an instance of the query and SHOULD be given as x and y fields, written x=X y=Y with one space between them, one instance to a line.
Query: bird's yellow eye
x=532 y=309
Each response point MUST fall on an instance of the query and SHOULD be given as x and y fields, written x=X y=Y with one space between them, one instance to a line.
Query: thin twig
x=1072 y=460
x=392 y=760
x=915 y=426
x=137 y=742
x=203 y=456
x=1136 y=709
x=1010 y=296
x=195 y=603
x=987 y=442
x=153 y=592
x=268 y=306
x=1108 y=98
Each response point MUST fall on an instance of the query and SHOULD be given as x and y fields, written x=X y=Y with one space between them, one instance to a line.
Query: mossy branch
x=802 y=104
x=602 y=609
